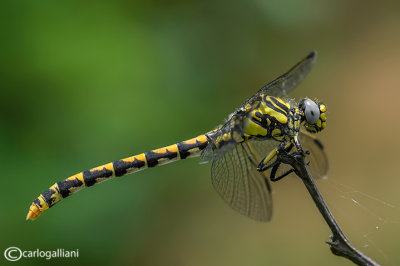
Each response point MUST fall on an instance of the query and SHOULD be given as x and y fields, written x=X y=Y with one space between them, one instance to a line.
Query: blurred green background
x=85 y=83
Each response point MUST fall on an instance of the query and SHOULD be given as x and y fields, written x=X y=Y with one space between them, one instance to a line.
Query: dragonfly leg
x=298 y=146
x=273 y=173
x=266 y=164
x=283 y=148
x=262 y=168
x=283 y=157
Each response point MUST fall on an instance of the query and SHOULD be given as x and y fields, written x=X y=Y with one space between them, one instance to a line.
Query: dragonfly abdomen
x=64 y=188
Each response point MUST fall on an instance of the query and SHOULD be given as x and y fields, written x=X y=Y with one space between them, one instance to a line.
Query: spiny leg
x=263 y=166
x=266 y=164
x=275 y=169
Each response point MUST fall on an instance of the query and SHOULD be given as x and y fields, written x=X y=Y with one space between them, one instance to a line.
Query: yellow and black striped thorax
x=266 y=117
x=271 y=117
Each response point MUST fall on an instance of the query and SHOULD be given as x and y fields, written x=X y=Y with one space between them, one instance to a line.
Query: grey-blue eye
x=311 y=111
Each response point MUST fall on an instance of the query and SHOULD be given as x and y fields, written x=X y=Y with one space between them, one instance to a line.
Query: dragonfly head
x=313 y=114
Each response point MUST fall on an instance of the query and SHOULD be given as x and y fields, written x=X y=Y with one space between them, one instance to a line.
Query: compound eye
x=311 y=111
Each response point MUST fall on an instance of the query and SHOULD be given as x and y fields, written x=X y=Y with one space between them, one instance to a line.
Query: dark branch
x=339 y=245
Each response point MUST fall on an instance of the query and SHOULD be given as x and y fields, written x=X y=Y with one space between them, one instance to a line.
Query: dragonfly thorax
x=271 y=117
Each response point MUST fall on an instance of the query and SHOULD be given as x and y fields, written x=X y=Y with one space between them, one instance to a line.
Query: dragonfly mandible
x=243 y=151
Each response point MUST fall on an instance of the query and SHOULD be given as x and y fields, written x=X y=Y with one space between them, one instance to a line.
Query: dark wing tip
x=312 y=54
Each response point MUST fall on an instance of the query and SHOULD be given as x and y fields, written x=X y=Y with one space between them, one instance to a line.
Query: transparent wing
x=224 y=138
x=318 y=159
x=261 y=148
x=236 y=179
x=288 y=81
x=279 y=87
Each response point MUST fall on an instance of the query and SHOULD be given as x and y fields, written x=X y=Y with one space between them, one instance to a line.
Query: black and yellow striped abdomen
x=70 y=185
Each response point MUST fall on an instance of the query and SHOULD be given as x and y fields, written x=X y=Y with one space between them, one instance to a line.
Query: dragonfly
x=243 y=151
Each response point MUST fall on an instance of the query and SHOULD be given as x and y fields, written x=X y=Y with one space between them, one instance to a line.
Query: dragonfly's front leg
x=267 y=163
x=298 y=146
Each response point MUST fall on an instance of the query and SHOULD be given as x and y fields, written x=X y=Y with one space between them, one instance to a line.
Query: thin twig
x=339 y=245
